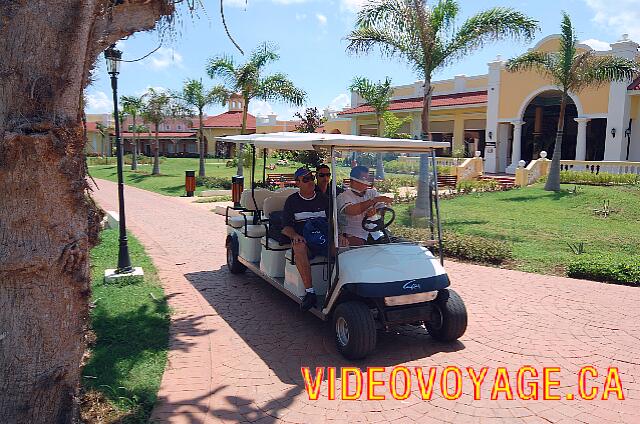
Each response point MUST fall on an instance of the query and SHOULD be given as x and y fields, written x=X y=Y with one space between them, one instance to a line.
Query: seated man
x=356 y=202
x=323 y=177
x=298 y=208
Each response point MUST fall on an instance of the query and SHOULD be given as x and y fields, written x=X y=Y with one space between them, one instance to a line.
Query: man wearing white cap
x=356 y=202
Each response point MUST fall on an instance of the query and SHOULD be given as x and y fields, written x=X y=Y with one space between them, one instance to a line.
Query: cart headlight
x=408 y=299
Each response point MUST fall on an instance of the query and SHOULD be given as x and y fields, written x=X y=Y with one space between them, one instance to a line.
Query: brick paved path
x=237 y=344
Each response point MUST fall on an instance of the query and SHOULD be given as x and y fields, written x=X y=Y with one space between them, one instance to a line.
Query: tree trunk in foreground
x=379 y=161
x=134 y=150
x=47 y=220
x=201 y=172
x=422 y=208
x=553 y=179
x=156 y=155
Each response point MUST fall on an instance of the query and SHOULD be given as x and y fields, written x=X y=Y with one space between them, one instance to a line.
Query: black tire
x=360 y=329
x=235 y=267
x=451 y=321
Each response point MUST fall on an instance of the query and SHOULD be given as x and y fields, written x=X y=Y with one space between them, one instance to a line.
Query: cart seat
x=318 y=260
x=275 y=244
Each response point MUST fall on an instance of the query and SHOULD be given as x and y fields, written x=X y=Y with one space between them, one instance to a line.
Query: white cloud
x=322 y=20
x=301 y=16
x=236 y=3
x=623 y=17
x=597 y=44
x=98 y=102
x=340 y=101
x=289 y=1
x=292 y=111
x=351 y=5
x=260 y=108
x=164 y=58
x=157 y=88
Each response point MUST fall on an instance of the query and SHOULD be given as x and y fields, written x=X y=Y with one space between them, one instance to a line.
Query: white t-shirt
x=352 y=224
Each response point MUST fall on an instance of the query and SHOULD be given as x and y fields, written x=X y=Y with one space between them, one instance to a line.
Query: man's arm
x=361 y=207
x=288 y=219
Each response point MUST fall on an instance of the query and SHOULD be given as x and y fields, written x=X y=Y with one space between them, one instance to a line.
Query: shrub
x=411 y=167
x=603 y=178
x=214 y=182
x=463 y=246
x=391 y=184
x=606 y=268
x=468 y=186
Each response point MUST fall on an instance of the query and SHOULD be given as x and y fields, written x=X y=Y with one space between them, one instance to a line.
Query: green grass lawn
x=171 y=180
x=538 y=224
x=131 y=325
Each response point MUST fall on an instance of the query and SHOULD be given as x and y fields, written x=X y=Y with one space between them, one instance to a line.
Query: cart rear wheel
x=449 y=321
x=355 y=330
x=235 y=267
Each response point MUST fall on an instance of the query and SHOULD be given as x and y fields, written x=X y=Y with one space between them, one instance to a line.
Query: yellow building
x=227 y=123
x=510 y=117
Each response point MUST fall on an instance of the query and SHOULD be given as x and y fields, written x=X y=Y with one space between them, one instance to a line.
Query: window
x=179 y=127
x=192 y=148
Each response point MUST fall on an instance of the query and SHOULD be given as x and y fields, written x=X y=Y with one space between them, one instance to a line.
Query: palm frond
x=379 y=13
x=375 y=94
x=391 y=43
x=599 y=70
x=263 y=55
x=222 y=67
x=218 y=94
x=491 y=25
x=542 y=62
x=568 y=43
x=443 y=16
x=279 y=87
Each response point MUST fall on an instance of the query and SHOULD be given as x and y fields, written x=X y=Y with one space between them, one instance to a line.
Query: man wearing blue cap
x=356 y=202
x=299 y=208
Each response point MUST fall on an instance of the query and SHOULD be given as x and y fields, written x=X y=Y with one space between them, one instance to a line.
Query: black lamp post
x=113 y=58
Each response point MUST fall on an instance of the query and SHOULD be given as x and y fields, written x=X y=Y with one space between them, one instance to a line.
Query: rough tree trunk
x=134 y=150
x=156 y=154
x=553 y=180
x=422 y=208
x=239 y=146
x=379 y=162
x=47 y=220
x=201 y=171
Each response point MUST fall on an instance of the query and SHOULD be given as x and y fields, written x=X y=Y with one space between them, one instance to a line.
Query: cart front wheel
x=449 y=320
x=235 y=267
x=355 y=329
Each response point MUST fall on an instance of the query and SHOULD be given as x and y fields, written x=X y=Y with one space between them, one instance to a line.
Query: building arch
x=541 y=90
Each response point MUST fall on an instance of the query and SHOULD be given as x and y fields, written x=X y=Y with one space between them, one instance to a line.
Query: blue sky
x=310 y=35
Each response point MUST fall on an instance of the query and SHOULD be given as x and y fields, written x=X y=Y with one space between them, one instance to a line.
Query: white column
x=516 y=146
x=581 y=142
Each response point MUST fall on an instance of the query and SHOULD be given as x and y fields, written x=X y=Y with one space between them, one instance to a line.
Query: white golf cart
x=361 y=289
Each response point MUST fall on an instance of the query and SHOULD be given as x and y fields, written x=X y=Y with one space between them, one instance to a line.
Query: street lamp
x=113 y=58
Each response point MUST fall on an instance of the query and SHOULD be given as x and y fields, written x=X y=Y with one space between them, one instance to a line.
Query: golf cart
x=360 y=289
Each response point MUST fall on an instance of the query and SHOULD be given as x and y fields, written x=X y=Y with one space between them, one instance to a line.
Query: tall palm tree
x=248 y=80
x=427 y=38
x=572 y=71
x=102 y=130
x=157 y=107
x=132 y=106
x=196 y=99
x=378 y=96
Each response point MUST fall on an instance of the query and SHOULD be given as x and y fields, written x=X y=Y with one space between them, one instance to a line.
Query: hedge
x=606 y=268
x=463 y=246
x=214 y=182
x=603 y=178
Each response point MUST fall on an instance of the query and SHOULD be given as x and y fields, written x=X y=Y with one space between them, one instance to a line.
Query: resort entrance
x=541 y=123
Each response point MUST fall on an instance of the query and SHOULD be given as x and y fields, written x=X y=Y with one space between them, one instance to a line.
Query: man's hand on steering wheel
x=372 y=225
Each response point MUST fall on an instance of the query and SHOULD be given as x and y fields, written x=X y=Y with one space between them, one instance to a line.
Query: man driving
x=300 y=207
x=356 y=203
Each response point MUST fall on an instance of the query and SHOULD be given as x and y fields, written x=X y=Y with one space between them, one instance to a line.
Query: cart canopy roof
x=312 y=141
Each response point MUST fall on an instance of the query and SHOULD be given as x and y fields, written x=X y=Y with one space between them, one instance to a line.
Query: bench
x=281 y=180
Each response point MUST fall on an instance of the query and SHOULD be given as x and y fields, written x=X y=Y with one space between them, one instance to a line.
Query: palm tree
x=157 y=107
x=248 y=80
x=571 y=71
x=102 y=130
x=378 y=96
x=132 y=106
x=427 y=38
x=196 y=99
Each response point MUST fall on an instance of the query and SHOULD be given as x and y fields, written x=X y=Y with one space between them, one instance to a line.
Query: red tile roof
x=232 y=119
x=458 y=99
x=92 y=126
x=635 y=85
x=161 y=134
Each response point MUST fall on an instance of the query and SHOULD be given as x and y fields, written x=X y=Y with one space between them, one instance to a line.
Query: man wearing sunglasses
x=323 y=184
x=298 y=209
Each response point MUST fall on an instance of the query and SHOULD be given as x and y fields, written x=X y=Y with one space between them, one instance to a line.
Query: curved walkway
x=237 y=344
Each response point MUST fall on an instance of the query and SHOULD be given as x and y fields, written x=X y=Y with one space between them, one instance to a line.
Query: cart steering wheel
x=377 y=222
